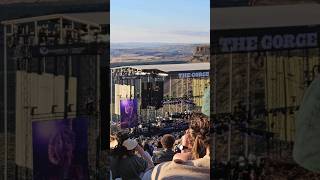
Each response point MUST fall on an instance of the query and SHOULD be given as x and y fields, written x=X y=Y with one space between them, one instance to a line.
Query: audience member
x=196 y=169
x=125 y=163
x=166 y=154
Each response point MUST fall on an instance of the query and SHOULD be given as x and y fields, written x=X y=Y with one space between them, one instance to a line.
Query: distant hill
x=134 y=45
x=150 y=53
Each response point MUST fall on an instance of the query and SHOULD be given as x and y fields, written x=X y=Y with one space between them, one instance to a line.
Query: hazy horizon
x=159 y=42
x=148 y=45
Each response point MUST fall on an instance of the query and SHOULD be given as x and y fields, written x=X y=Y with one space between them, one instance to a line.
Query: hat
x=130 y=144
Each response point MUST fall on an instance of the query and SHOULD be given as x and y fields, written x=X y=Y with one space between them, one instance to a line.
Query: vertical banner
x=60 y=149
x=122 y=91
x=129 y=113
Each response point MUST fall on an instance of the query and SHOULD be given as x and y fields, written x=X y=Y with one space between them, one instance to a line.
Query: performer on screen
x=129 y=115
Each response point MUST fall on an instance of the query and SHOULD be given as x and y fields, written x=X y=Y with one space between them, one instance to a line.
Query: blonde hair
x=199 y=130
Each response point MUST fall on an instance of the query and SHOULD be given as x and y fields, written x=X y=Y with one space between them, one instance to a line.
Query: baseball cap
x=130 y=144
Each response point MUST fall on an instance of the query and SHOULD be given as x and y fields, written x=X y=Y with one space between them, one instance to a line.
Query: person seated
x=185 y=149
x=125 y=163
x=166 y=154
x=196 y=169
x=148 y=148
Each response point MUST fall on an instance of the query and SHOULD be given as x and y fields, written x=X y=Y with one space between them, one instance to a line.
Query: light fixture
x=163 y=74
x=140 y=73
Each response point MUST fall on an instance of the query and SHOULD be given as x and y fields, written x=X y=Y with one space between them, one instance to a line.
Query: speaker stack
x=151 y=94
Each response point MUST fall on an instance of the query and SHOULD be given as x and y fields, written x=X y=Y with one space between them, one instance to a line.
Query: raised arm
x=140 y=150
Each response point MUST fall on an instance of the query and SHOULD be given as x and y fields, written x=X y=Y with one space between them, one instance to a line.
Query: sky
x=165 y=21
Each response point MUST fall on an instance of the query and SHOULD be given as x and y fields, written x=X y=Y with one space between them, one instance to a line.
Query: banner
x=196 y=74
x=64 y=50
x=129 y=113
x=264 y=39
x=60 y=149
x=122 y=91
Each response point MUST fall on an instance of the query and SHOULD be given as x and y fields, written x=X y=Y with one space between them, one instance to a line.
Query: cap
x=130 y=144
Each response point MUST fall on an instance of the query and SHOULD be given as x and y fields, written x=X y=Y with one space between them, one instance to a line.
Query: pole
x=248 y=105
x=111 y=96
x=279 y=104
x=181 y=102
x=215 y=111
x=5 y=94
x=170 y=93
x=285 y=97
x=99 y=118
x=177 y=94
x=267 y=101
x=66 y=84
x=148 y=104
x=140 y=95
x=230 y=106
x=187 y=94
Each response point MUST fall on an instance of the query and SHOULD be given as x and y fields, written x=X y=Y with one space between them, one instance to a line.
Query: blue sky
x=171 y=21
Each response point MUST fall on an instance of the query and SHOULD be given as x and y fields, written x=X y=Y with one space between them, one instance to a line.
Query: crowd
x=263 y=169
x=250 y=168
x=179 y=155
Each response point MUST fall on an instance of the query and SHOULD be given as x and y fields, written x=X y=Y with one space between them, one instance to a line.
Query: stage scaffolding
x=61 y=51
x=181 y=95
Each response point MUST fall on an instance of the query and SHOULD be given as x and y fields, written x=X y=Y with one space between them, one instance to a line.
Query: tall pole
x=285 y=97
x=181 y=102
x=170 y=89
x=248 y=105
x=267 y=101
x=162 y=108
x=111 y=96
x=214 y=85
x=66 y=84
x=140 y=95
x=99 y=117
x=187 y=94
x=230 y=106
x=177 y=94
x=148 y=104
x=5 y=94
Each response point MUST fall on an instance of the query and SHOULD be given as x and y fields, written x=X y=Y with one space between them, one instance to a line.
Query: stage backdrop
x=129 y=113
x=60 y=149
